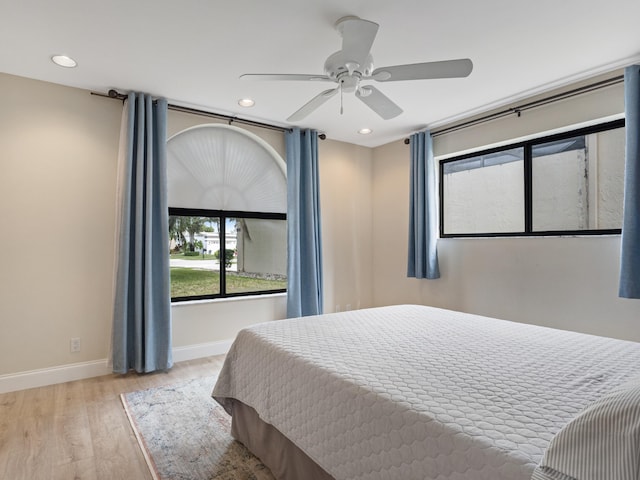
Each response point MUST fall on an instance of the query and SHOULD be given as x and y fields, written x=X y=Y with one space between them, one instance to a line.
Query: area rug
x=184 y=434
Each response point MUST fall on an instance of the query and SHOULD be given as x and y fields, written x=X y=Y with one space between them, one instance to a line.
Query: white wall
x=487 y=199
x=345 y=197
x=262 y=246
x=58 y=152
x=608 y=147
x=567 y=283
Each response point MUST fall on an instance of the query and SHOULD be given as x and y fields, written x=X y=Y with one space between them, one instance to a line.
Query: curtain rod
x=231 y=119
x=528 y=106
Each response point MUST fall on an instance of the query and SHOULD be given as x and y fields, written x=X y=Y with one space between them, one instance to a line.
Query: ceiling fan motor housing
x=346 y=71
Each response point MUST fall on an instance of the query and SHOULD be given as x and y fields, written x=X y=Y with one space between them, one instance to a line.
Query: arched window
x=227 y=192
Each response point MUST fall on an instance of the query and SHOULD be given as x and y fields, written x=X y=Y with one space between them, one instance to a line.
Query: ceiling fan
x=354 y=63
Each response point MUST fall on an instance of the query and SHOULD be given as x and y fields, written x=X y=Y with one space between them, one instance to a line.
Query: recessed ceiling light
x=365 y=131
x=246 y=102
x=64 y=61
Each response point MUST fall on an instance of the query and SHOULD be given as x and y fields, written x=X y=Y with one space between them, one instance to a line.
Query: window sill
x=229 y=299
x=524 y=235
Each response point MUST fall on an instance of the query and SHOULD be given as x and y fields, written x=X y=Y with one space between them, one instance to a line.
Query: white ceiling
x=193 y=51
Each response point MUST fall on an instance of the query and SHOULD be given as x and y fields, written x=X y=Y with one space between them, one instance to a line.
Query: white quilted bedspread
x=414 y=392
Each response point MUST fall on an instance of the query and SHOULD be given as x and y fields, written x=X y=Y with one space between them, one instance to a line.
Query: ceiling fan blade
x=285 y=76
x=378 y=102
x=422 y=71
x=357 y=38
x=312 y=104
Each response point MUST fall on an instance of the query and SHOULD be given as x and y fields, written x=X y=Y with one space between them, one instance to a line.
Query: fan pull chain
x=341 y=109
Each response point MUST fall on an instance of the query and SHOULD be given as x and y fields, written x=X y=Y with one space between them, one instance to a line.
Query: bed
x=416 y=392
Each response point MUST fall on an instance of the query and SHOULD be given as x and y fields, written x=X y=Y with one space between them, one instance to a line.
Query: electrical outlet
x=75 y=345
x=337 y=308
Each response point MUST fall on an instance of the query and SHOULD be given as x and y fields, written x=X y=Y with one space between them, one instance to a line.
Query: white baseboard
x=79 y=371
x=191 y=352
x=53 y=375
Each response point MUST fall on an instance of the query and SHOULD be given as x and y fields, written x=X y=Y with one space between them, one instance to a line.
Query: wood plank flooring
x=79 y=430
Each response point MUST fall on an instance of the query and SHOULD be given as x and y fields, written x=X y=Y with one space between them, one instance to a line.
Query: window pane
x=256 y=255
x=195 y=270
x=578 y=182
x=485 y=193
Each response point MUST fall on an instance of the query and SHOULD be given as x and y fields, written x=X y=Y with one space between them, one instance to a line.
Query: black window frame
x=528 y=146
x=223 y=215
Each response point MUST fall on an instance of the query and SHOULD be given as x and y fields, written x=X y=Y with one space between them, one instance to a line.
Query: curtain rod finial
x=322 y=136
x=113 y=93
x=407 y=141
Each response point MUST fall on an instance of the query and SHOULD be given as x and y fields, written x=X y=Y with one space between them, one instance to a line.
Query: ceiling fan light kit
x=353 y=64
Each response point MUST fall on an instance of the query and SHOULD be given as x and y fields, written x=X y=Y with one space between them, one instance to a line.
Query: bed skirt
x=285 y=460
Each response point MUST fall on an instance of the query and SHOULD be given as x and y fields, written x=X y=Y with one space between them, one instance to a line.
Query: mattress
x=416 y=392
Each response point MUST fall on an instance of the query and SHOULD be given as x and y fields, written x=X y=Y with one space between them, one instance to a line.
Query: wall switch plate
x=75 y=345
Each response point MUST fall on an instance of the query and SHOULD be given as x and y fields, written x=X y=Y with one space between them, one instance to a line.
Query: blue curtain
x=142 y=311
x=423 y=254
x=630 y=243
x=304 y=249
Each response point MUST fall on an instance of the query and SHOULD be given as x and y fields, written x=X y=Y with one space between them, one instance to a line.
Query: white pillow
x=601 y=443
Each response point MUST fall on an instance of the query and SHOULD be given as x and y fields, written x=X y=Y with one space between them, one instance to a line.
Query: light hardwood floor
x=79 y=430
